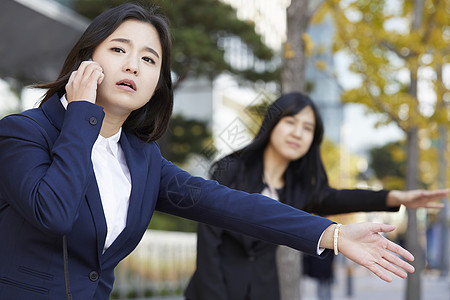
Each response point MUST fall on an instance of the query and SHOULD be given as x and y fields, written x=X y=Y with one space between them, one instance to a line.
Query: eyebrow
x=127 y=41
x=308 y=123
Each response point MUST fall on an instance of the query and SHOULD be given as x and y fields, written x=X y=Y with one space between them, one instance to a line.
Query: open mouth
x=128 y=84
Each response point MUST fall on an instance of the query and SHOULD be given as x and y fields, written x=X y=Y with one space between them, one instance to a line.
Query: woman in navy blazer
x=116 y=79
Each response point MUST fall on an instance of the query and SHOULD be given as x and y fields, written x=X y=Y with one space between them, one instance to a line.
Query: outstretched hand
x=417 y=198
x=362 y=243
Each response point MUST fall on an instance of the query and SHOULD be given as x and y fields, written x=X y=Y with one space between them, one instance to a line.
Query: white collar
x=64 y=102
x=112 y=142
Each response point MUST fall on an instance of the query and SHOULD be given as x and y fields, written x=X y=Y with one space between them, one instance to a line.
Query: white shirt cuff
x=320 y=249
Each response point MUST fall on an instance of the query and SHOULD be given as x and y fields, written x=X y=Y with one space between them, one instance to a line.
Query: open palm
x=363 y=244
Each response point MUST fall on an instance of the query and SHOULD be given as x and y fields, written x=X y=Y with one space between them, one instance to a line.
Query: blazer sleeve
x=347 y=201
x=255 y=215
x=46 y=186
x=208 y=281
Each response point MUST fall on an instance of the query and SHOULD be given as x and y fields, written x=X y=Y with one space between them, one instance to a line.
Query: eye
x=118 y=50
x=148 y=59
x=290 y=121
x=309 y=128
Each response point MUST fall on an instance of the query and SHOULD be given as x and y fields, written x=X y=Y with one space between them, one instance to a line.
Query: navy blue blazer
x=48 y=189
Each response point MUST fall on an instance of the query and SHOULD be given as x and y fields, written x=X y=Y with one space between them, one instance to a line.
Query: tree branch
x=313 y=9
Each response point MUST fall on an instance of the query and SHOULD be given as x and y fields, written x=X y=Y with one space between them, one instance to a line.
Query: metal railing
x=162 y=264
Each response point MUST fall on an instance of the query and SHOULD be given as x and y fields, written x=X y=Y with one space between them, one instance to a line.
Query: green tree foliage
x=187 y=137
x=199 y=29
x=388 y=163
x=162 y=221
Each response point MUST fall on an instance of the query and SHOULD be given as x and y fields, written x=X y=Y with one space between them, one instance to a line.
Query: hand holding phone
x=82 y=84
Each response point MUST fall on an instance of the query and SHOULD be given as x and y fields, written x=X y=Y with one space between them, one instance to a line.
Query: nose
x=131 y=66
x=297 y=131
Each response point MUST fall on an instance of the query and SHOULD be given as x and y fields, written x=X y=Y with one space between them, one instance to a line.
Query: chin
x=295 y=156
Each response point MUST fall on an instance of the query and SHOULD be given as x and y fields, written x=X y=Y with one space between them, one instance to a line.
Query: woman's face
x=293 y=135
x=131 y=59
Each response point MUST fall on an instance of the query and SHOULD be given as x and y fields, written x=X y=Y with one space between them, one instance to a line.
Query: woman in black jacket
x=284 y=163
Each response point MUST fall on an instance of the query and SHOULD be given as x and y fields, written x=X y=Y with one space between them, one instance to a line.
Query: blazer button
x=93 y=276
x=251 y=258
x=93 y=120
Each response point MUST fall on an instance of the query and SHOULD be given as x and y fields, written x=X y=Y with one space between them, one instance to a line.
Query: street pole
x=442 y=220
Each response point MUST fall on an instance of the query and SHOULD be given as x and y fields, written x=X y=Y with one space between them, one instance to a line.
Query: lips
x=293 y=144
x=127 y=84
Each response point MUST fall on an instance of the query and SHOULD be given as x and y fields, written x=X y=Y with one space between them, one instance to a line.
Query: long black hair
x=150 y=121
x=304 y=178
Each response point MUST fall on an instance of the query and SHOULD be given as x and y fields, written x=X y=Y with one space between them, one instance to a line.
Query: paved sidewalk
x=367 y=286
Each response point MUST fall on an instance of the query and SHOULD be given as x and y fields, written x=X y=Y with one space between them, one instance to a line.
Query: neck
x=111 y=125
x=274 y=168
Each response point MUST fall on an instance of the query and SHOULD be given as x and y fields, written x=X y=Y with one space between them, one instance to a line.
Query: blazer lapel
x=138 y=164
x=96 y=208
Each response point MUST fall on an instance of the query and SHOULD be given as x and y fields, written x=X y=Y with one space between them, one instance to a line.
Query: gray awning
x=36 y=36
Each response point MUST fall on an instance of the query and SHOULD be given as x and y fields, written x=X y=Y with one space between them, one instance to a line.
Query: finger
x=86 y=68
x=433 y=199
x=377 y=270
x=437 y=194
x=95 y=76
x=434 y=205
x=393 y=247
x=90 y=77
x=100 y=79
x=384 y=228
x=71 y=77
x=69 y=83
x=83 y=67
x=442 y=191
x=92 y=67
x=397 y=261
x=94 y=71
x=391 y=268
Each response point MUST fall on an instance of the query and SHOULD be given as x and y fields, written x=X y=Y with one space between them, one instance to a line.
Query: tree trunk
x=414 y=288
x=442 y=219
x=294 y=60
x=289 y=272
x=293 y=79
x=413 y=234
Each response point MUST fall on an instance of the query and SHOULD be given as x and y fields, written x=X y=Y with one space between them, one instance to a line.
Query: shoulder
x=22 y=124
x=223 y=169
